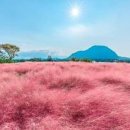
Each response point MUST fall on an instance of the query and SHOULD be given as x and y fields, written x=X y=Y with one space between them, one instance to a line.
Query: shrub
x=2 y=60
x=81 y=60
x=35 y=59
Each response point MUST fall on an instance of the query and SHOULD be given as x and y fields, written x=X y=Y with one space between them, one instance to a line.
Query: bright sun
x=75 y=11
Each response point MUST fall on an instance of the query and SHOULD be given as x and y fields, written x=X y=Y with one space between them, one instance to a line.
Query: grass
x=65 y=96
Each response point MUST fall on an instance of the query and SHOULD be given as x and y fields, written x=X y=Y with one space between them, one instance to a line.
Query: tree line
x=9 y=51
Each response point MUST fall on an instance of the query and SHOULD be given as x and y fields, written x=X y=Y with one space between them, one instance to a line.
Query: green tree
x=1 y=54
x=8 y=51
x=49 y=58
x=74 y=59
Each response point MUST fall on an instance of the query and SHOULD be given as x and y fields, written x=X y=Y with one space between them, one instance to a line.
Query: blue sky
x=49 y=25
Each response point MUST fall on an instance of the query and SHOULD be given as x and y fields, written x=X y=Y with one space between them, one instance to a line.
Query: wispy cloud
x=78 y=30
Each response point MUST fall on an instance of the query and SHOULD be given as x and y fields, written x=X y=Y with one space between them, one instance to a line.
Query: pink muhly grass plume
x=64 y=96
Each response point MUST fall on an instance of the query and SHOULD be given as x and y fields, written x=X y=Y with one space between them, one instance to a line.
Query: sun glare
x=75 y=11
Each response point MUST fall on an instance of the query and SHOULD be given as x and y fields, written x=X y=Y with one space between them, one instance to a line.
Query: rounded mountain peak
x=96 y=52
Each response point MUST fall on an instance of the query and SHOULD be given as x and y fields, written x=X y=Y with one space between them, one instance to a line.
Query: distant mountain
x=32 y=54
x=96 y=52
x=124 y=59
x=43 y=54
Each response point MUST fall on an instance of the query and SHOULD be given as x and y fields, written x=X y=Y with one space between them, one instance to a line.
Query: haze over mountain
x=96 y=52
x=43 y=54
x=32 y=54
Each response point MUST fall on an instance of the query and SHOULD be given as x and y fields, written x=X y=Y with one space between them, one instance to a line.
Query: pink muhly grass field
x=65 y=96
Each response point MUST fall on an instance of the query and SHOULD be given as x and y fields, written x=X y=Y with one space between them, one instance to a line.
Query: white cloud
x=78 y=30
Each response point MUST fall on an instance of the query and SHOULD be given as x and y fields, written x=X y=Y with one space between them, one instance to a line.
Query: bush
x=86 y=60
x=35 y=59
x=82 y=60
x=74 y=59
x=5 y=61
